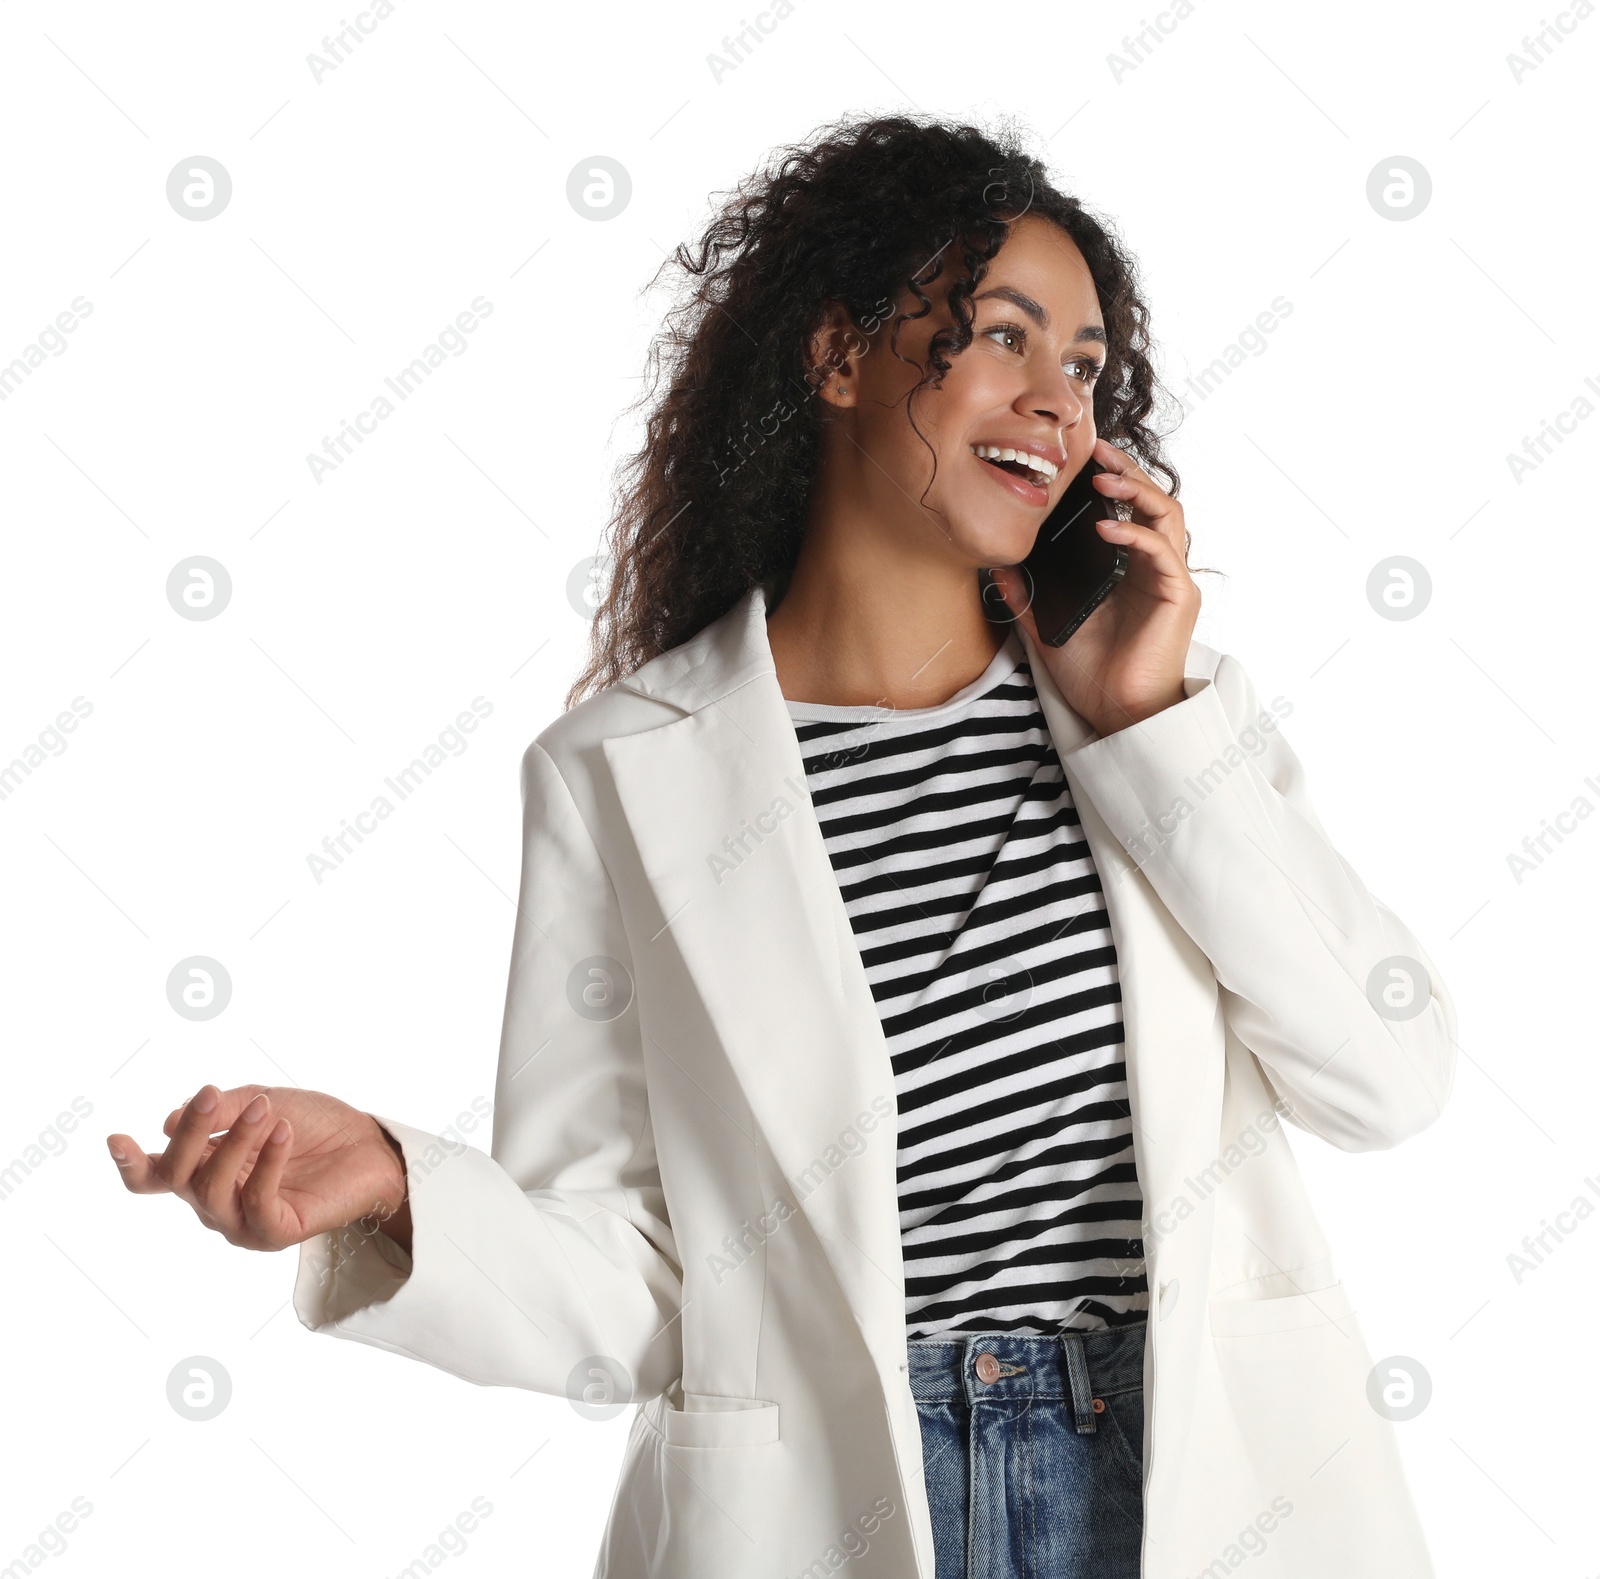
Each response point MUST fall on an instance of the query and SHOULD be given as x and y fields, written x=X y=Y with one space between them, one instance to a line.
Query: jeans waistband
x=1075 y=1366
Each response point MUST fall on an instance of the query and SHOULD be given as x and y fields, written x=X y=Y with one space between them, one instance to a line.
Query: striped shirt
x=982 y=927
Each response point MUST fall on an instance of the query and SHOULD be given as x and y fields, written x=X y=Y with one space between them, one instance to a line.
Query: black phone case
x=1071 y=568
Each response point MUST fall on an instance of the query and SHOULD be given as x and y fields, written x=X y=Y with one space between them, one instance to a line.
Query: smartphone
x=1071 y=567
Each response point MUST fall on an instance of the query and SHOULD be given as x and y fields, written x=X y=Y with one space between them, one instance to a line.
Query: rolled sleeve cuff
x=1147 y=780
x=349 y=1269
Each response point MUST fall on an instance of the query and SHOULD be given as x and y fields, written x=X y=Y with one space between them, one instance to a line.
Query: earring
x=843 y=390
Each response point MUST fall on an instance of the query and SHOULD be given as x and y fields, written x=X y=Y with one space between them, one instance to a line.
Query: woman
x=902 y=1010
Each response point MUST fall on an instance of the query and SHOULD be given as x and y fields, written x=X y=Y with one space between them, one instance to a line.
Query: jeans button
x=988 y=1368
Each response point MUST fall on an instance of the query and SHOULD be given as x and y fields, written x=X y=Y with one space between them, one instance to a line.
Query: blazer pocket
x=1320 y=1307
x=715 y=1421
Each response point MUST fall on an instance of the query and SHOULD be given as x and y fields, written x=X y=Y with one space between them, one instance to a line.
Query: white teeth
x=1043 y=471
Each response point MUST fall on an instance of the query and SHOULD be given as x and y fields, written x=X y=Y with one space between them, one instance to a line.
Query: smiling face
x=1024 y=385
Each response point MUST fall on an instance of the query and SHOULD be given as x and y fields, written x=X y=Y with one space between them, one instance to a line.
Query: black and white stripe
x=981 y=923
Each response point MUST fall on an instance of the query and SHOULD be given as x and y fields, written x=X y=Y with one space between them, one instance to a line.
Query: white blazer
x=691 y=1181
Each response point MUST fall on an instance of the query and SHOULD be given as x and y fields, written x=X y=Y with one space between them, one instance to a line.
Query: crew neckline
x=1008 y=657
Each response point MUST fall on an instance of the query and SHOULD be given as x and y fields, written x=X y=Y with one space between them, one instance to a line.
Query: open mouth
x=1018 y=463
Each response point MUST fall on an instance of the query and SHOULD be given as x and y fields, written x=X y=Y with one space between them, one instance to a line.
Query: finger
x=204 y=1115
x=1117 y=460
x=1146 y=506
x=1126 y=480
x=259 y=1203
x=1156 y=553
x=230 y=1105
x=138 y=1171
x=215 y=1185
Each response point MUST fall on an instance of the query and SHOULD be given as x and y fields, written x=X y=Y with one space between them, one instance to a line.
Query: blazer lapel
x=719 y=808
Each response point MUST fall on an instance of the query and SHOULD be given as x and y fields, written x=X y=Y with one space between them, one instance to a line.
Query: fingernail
x=205 y=1099
x=280 y=1131
x=120 y=1156
x=255 y=1109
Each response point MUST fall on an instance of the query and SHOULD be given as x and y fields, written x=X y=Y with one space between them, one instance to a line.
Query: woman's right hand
x=318 y=1165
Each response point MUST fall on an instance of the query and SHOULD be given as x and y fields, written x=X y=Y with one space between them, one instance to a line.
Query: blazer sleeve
x=1325 y=985
x=532 y=1264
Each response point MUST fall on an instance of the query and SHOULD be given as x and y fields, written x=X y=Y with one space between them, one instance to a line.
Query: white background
x=370 y=208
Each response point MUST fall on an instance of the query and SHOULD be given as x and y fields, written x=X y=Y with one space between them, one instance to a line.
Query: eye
x=1016 y=331
x=1089 y=367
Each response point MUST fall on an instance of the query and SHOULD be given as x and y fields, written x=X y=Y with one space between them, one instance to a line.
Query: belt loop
x=1078 y=1374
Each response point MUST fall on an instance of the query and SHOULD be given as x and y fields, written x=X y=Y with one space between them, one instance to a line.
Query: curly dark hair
x=714 y=501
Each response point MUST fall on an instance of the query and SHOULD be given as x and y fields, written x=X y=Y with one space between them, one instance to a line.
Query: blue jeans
x=1033 y=1452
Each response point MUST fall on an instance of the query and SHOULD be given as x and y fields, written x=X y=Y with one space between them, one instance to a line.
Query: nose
x=1057 y=400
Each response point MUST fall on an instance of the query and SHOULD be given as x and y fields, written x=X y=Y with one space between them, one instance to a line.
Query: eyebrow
x=1088 y=331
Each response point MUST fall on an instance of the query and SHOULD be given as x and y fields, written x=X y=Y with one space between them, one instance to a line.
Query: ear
x=834 y=353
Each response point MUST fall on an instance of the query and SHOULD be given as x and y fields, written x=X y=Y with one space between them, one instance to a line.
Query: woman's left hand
x=1125 y=662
